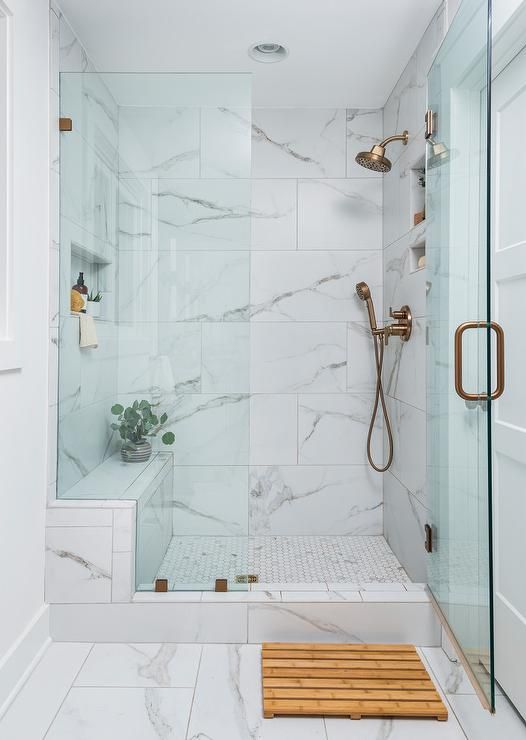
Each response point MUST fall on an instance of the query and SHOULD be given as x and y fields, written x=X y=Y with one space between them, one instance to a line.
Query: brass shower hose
x=378 y=341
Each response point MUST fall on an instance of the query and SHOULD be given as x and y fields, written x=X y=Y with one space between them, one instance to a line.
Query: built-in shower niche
x=99 y=276
x=417 y=256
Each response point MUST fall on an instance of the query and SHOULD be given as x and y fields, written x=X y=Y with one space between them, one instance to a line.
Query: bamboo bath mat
x=347 y=680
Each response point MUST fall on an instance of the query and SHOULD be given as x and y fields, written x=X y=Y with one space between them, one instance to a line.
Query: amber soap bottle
x=81 y=288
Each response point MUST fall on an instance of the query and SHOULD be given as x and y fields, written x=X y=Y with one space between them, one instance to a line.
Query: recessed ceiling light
x=268 y=52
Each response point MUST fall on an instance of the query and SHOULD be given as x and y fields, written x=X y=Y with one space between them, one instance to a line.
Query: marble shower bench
x=109 y=532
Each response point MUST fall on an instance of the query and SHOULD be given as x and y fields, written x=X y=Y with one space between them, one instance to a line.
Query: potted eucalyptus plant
x=135 y=424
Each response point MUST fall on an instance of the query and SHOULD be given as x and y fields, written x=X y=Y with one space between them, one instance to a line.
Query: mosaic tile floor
x=195 y=562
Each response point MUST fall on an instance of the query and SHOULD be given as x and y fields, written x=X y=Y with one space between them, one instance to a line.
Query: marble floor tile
x=227 y=702
x=32 y=711
x=394 y=729
x=449 y=673
x=136 y=665
x=134 y=714
x=481 y=725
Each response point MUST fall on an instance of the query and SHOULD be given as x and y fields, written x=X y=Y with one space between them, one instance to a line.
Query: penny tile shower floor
x=195 y=562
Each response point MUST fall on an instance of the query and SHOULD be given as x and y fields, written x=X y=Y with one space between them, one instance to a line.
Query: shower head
x=375 y=159
x=439 y=154
x=364 y=294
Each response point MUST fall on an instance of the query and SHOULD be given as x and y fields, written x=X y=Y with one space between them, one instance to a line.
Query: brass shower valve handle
x=402 y=326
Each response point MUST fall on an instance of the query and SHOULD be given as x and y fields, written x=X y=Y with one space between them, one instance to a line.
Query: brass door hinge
x=430 y=124
x=65 y=124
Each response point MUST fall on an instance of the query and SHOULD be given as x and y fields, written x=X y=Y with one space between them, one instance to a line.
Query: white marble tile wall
x=83 y=236
x=90 y=552
x=405 y=503
x=241 y=283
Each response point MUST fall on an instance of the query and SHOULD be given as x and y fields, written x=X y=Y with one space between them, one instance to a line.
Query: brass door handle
x=499 y=390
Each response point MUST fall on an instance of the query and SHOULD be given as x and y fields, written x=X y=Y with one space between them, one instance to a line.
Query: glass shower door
x=459 y=341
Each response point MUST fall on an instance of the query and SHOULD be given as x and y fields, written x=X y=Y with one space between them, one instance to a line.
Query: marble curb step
x=247 y=622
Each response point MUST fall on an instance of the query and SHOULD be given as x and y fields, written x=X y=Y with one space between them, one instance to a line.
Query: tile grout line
x=194 y=692
x=72 y=684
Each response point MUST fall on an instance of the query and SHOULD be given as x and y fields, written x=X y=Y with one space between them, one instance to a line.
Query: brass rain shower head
x=439 y=154
x=375 y=159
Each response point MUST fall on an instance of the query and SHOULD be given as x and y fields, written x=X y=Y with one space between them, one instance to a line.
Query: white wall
x=23 y=393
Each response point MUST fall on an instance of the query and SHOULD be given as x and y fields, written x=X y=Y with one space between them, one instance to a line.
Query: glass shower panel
x=155 y=211
x=459 y=566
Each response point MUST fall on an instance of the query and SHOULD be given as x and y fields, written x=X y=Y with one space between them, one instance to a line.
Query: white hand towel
x=87 y=332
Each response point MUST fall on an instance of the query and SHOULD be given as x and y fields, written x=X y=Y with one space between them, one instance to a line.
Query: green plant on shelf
x=95 y=297
x=137 y=422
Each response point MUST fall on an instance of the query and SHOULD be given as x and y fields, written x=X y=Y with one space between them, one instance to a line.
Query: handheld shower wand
x=379 y=337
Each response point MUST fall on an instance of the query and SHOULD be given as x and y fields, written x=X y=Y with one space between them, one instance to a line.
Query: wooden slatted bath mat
x=347 y=680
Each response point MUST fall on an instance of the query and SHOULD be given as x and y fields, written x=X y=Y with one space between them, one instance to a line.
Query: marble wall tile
x=88 y=102
x=293 y=357
x=344 y=622
x=403 y=281
x=98 y=368
x=78 y=564
x=404 y=372
x=124 y=529
x=409 y=460
x=164 y=356
x=175 y=622
x=406 y=105
x=295 y=142
x=73 y=57
x=361 y=369
x=273 y=214
x=123 y=576
x=158 y=142
x=204 y=286
x=89 y=189
x=210 y=500
x=312 y=285
x=273 y=429
x=203 y=214
x=400 y=187
x=137 y=280
x=340 y=214
x=364 y=129
x=404 y=520
x=135 y=214
x=77 y=457
x=316 y=500
x=225 y=357
x=210 y=429
x=332 y=429
x=225 y=142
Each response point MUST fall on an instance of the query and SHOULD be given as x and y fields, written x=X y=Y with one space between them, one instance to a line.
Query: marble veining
x=94 y=571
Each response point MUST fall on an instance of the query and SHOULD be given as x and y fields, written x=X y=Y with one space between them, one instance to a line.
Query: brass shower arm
x=404 y=136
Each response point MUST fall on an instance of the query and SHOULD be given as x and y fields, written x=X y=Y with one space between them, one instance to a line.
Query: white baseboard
x=20 y=660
